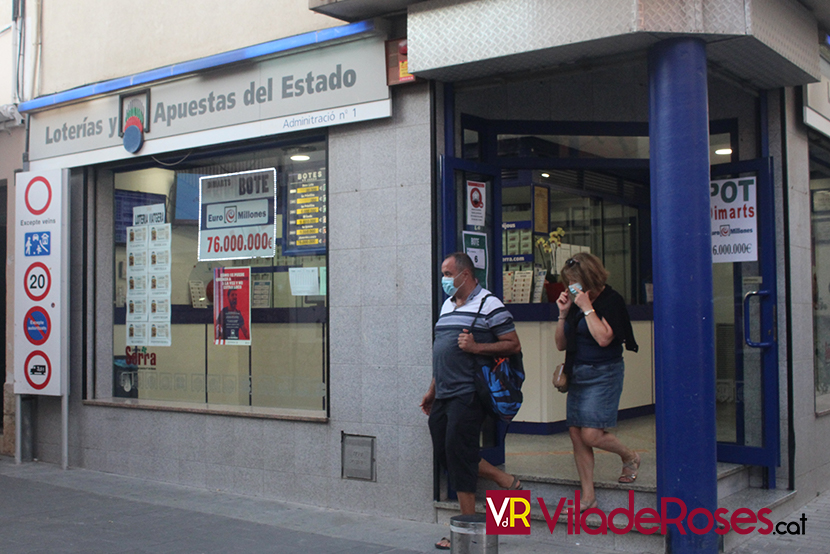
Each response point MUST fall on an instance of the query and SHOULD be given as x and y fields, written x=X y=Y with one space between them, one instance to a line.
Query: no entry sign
x=40 y=230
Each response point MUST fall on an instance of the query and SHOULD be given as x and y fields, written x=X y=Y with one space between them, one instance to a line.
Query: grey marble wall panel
x=380 y=336
x=379 y=270
x=412 y=154
x=414 y=275
x=379 y=394
x=310 y=455
x=247 y=439
x=415 y=336
x=378 y=209
x=414 y=214
x=347 y=403
x=278 y=446
x=347 y=335
x=344 y=228
x=411 y=105
x=344 y=164
x=378 y=155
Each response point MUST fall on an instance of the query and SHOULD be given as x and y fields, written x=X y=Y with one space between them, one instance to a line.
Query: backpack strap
x=478 y=313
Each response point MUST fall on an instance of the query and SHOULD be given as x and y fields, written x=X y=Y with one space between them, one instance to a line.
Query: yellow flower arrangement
x=547 y=246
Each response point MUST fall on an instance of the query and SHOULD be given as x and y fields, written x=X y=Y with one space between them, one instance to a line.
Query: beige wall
x=6 y=54
x=544 y=404
x=90 y=41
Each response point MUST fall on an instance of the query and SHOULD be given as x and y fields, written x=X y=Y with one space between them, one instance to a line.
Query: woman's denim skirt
x=594 y=394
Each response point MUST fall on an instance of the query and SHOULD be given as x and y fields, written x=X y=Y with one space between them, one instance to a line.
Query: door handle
x=750 y=342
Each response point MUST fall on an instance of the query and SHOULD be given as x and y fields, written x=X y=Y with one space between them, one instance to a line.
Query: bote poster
x=232 y=306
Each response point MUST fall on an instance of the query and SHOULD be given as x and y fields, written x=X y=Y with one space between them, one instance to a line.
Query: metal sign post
x=41 y=314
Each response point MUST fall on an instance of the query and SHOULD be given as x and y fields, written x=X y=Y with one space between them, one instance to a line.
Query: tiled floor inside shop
x=551 y=456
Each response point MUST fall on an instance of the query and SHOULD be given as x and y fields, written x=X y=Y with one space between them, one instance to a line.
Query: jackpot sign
x=734 y=216
x=237 y=216
x=41 y=213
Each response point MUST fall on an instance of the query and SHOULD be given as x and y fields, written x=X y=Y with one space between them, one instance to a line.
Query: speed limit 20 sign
x=41 y=271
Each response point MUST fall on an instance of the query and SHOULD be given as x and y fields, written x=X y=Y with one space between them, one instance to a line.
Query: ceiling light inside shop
x=545 y=175
x=723 y=151
x=300 y=158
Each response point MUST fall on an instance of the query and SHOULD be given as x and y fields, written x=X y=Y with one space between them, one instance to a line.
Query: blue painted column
x=684 y=334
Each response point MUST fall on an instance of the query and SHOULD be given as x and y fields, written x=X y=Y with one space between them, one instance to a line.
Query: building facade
x=683 y=143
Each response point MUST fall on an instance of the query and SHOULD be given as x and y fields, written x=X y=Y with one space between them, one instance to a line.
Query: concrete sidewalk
x=46 y=509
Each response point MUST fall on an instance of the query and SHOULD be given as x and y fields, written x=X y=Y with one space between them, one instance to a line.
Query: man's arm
x=429 y=399
x=506 y=345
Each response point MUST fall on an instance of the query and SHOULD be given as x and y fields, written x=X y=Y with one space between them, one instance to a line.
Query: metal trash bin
x=469 y=535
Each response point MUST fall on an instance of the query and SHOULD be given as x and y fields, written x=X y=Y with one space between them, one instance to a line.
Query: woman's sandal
x=516 y=485
x=630 y=470
x=590 y=505
x=443 y=544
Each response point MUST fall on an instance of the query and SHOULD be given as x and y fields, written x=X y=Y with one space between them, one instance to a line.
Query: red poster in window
x=232 y=306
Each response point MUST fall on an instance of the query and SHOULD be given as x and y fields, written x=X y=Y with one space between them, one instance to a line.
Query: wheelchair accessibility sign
x=37 y=244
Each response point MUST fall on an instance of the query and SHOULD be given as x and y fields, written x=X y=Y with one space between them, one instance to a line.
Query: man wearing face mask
x=454 y=409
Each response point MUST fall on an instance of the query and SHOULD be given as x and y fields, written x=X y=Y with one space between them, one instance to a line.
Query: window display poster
x=733 y=212
x=261 y=290
x=159 y=334
x=237 y=216
x=305 y=225
x=475 y=246
x=136 y=334
x=232 y=306
x=476 y=203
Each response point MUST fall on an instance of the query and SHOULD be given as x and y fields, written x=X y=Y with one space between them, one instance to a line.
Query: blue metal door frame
x=768 y=454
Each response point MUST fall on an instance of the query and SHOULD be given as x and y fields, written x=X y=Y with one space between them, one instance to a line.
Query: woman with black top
x=593 y=326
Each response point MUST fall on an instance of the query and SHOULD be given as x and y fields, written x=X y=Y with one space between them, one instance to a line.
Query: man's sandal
x=443 y=544
x=630 y=470
x=516 y=485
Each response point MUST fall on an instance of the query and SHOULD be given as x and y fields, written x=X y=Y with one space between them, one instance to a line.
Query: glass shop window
x=220 y=281
x=563 y=212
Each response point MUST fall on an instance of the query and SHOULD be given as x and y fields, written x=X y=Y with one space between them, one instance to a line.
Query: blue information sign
x=37 y=244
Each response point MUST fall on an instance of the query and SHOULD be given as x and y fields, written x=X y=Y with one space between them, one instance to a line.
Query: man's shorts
x=455 y=426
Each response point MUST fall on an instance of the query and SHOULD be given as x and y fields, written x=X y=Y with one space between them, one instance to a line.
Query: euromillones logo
x=508 y=513
x=134 y=122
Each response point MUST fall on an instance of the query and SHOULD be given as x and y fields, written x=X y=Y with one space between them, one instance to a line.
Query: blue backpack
x=499 y=381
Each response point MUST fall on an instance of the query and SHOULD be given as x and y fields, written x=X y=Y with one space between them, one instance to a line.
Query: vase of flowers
x=547 y=255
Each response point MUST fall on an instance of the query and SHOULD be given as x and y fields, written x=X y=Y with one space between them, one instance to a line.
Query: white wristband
x=589 y=312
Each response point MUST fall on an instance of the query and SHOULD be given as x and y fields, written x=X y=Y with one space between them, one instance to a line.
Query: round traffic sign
x=39 y=198
x=37 y=281
x=38 y=370
x=37 y=325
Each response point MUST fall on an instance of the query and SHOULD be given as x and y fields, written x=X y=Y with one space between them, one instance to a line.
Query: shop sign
x=733 y=213
x=39 y=345
x=237 y=216
x=327 y=86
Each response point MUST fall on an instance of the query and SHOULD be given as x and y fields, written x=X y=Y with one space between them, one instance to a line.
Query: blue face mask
x=448 y=283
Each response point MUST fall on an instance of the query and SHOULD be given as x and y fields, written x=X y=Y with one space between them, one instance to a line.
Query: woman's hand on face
x=564 y=303
x=583 y=301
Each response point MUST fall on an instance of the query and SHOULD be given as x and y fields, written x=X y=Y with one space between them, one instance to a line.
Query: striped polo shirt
x=453 y=368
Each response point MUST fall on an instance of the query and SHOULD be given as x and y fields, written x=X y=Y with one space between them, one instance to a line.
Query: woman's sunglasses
x=571 y=262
